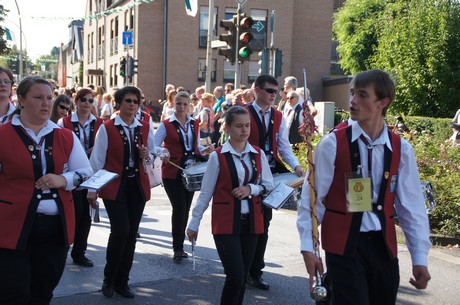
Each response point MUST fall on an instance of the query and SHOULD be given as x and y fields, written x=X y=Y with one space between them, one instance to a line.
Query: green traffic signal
x=244 y=52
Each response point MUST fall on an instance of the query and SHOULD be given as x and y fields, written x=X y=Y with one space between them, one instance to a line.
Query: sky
x=44 y=23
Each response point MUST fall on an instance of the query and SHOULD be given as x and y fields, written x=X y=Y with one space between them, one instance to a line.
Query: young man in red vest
x=269 y=132
x=362 y=172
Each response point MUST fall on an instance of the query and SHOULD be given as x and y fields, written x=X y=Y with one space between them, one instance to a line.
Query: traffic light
x=132 y=67
x=264 y=62
x=245 y=37
x=230 y=38
x=278 y=62
x=123 y=66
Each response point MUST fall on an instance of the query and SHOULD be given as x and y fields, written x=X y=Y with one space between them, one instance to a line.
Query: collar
x=383 y=138
x=74 y=118
x=49 y=126
x=174 y=118
x=227 y=147
x=258 y=109
x=119 y=121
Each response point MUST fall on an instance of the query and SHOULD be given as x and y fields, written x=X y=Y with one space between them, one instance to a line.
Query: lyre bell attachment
x=319 y=291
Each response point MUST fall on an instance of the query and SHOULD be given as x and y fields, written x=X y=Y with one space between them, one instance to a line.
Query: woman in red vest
x=39 y=167
x=122 y=145
x=237 y=210
x=85 y=126
x=179 y=137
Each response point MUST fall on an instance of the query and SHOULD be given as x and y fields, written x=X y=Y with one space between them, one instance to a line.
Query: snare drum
x=193 y=175
x=292 y=180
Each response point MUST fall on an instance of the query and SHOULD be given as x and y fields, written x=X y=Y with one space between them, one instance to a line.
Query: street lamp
x=20 y=42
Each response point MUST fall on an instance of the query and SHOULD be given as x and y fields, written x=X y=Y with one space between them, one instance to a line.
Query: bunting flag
x=191 y=7
x=8 y=34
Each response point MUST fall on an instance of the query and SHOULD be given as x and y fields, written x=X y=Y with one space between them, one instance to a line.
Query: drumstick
x=174 y=164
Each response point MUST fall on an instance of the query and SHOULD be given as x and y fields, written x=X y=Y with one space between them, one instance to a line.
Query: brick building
x=170 y=46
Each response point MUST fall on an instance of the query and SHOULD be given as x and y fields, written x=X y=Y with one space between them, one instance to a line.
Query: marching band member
x=237 y=210
x=40 y=167
x=179 y=136
x=122 y=145
x=85 y=126
x=6 y=83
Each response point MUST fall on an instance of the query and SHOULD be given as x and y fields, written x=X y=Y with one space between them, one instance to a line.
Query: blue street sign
x=127 y=38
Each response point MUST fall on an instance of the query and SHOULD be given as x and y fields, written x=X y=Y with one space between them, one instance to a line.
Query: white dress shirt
x=4 y=118
x=409 y=201
x=99 y=154
x=282 y=138
x=78 y=162
x=289 y=112
x=167 y=111
x=160 y=135
x=209 y=181
x=84 y=130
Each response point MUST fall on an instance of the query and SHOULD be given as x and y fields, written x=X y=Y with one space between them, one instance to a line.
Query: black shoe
x=138 y=235
x=83 y=261
x=259 y=283
x=107 y=289
x=178 y=256
x=124 y=291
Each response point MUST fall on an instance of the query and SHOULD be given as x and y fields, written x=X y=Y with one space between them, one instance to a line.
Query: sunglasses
x=270 y=90
x=292 y=97
x=63 y=107
x=128 y=100
x=143 y=97
x=84 y=100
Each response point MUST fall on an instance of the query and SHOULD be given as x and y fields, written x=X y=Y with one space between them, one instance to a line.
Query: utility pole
x=20 y=43
x=209 y=49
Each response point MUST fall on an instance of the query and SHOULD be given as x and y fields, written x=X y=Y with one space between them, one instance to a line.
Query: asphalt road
x=155 y=279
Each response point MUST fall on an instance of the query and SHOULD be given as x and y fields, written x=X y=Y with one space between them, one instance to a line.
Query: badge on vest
x=359 y=192
x=393 y=181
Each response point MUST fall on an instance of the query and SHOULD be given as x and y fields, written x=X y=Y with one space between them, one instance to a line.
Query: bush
x=438 y=162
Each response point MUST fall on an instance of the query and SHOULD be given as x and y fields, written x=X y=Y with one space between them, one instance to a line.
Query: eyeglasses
x=128 y=100
x=293 y=97
x=84 y=100
x=270 y=90
x=195 y=99
x=63 y=107
x=143 y=97
x=6 y=81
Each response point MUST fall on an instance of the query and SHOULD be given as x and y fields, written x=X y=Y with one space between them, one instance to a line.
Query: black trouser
x=30 y=276
x=125 y=214
x=82 y=223
x=236 y=253
x=258 y=262
x=371 y=277
x=181 y=200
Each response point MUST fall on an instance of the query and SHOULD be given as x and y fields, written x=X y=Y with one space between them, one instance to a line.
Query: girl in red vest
x=39 y=167
x=236 y=211
x=179 y=137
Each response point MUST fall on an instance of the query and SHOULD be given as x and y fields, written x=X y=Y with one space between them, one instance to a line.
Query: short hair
x=122 y=92
x=169 y=87
x=384 y=86
x=263 y=79
x=82 y=92
x=182 y=94
x=25 y=85
x=291 y=81
x=207 y=96
x=232 y=112
x=220 y=89
x=230 y=85
x=9 y=73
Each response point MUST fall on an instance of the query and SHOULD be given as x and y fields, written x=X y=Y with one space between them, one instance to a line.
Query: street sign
x=259 y=26
x=241 y=1
x=127 y=38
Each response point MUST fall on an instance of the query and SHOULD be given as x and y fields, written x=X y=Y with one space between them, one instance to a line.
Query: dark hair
x=122 y=92
x=232 y=112
x=261 y=80
x=62 y=98
x=384 y=87
x=83 y=92
x=25 y=85
x=9 y=73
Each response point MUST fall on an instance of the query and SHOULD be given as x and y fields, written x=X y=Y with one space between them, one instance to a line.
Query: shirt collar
x=228 y=148
x=174 y=118
x=119 y=121
x=258 y=109
x=49 y=126
x=383 y=138
x=74 y=118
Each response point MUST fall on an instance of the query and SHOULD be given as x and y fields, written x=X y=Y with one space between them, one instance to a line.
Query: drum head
x=197 y=168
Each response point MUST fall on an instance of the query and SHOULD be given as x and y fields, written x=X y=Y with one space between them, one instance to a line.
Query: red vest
x=340 y=229
x=74 y=127
x=226 y=209
x=117 y=161
x=174 y=143
x=18 y=196
x=256 y=137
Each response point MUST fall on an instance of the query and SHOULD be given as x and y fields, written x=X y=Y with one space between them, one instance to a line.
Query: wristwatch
x=77 y=179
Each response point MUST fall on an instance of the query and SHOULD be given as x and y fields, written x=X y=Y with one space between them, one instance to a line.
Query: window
x=115 y=78
x=259 y=30
x=229 y=72
x=202 y=69
x=204 y=13
x=253 y=71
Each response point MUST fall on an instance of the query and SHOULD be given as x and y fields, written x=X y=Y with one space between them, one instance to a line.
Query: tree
x=3 y=46
x=419 y=43
x=355 y=28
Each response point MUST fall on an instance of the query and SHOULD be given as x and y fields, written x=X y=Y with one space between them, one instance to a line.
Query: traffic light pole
x=128 y=67
x=272 y=44
x=237 y=63
x=209 y=50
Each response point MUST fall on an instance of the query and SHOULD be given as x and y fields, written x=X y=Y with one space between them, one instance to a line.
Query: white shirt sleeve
x=99 y=153
x=266 y=179
x=159 y=137
x=284 y=147
x=78 y=162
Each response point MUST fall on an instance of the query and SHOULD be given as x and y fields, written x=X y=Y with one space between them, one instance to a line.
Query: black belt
x=130 y=172
x=41 y=215
x=370 y=234
x=245 y=216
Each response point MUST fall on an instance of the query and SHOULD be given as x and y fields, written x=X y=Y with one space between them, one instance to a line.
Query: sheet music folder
x=99 y=180
x=278 y=196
